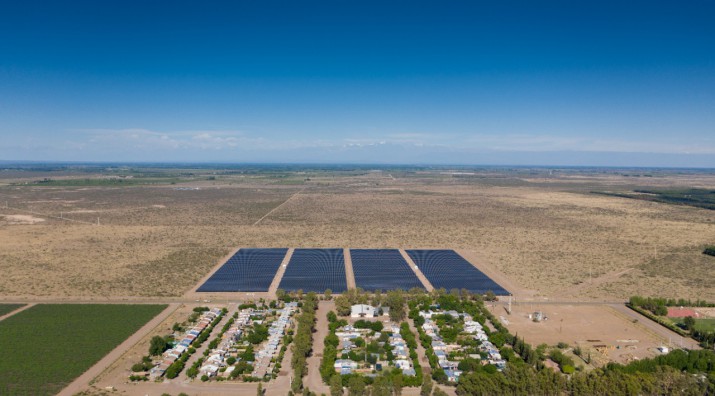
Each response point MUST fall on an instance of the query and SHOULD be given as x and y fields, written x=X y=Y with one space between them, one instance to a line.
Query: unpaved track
x=281 y=385
x=421 y=354
x=425 y=282
x=83 y=380
x=349 y=274
x=17 y=311
x=313 y=379
x=279 y=274
x=277 y=207
x=660 y=331
x=200 y=351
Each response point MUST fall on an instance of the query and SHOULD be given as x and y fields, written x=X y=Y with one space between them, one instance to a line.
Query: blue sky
x=531 y=83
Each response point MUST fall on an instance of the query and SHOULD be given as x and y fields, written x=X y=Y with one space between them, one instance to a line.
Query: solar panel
x=315 y=270
x=249 y=270
x=447 y=269
x=382 y=269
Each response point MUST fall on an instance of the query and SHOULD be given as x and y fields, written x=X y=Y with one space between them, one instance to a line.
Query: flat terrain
x=45 y=347
x=608 y=333
x=543 y=231
x=7 y=308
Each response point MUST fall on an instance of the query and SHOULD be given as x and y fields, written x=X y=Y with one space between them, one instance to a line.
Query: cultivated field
x=45 y=347
x=543 y=231
x=7 y=308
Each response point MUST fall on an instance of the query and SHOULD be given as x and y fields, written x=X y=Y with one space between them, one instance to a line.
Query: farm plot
x=47 y=346
x=7 y=308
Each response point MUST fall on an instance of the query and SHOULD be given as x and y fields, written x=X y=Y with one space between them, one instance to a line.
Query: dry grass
x=545 y=234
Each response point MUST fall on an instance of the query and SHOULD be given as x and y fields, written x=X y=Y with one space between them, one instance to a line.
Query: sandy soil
x=546 y=236
x=20 y=219
x=588 y=326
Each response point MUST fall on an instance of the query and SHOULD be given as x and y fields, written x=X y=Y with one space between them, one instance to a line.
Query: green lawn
x=7 y=308
x=700 y=324
x=47 y=346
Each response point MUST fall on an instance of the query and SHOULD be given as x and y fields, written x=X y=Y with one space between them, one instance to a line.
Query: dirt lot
x=600 y=329
x=546 y=234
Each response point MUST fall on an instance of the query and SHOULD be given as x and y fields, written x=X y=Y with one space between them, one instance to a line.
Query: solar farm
x=447 y=269
x=382 y=269
x=255 y=270
x=315 y=270
x=249 y=270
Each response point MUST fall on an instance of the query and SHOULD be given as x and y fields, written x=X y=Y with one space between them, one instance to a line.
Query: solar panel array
x=315 y=270
x=447 y=269
x=382 y=269
x=249 y=270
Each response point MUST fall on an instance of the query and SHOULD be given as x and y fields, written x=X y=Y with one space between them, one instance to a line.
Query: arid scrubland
x=545 y=233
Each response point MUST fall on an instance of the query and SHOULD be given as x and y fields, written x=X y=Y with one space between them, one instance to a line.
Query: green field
x=47 y=346
x=7 y=308
x=700 y=324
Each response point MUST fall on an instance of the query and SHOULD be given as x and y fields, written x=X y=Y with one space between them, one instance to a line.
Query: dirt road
x=279 y=274
x=349 y=274
x=200 y=351
x=661 y=331
x=313 y=380
x=425 y=282
x=17 y=311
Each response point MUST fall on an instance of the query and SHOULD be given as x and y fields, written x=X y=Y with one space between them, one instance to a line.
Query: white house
x=363 y=311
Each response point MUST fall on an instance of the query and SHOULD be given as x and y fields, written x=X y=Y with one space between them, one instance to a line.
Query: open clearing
x=598 y=329
x=45 y=347
x=546 y=233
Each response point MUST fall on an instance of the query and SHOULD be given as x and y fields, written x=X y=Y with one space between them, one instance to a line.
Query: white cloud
x=145 y=140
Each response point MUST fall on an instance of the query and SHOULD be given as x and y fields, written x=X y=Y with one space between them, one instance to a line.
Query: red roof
x=682 y=313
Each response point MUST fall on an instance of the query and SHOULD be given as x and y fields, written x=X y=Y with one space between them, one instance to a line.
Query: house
x=402 y=364
x=363 y=311
x=210 y=370
x=344 y=366
x=409 y=371
x=453 y=375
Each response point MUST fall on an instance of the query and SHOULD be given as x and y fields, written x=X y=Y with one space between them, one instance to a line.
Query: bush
x=157 y=346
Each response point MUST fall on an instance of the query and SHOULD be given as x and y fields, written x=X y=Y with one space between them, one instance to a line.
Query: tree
x=157 y=346
x=397 y=385
x=380 y=387
x=439 y=392
x=689 y=323
x=328 y=294
x=490 y=296
x=426 y=389
x=336 y=385
x=396 y=301
x=342 y=305
x=259 y=390
x=356 y=386
x=280 y=294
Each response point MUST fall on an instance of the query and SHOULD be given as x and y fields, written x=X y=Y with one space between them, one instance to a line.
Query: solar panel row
x=447 y=269
x=315 y=270
x=382 y=269
x=249 y=270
